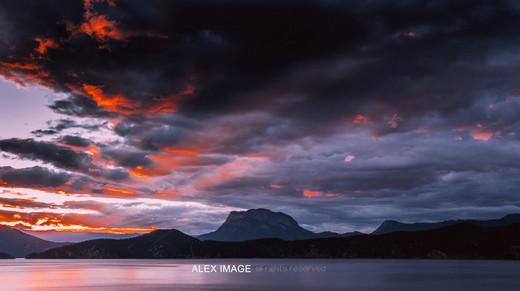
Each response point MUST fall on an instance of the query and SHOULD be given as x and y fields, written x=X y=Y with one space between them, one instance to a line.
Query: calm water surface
x=297 y=274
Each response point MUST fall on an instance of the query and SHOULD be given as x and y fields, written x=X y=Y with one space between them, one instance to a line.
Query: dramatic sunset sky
x=125 y=116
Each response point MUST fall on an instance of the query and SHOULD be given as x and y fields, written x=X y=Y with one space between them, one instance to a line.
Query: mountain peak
x=256 y=224
x=262 y=215
x=512 y=216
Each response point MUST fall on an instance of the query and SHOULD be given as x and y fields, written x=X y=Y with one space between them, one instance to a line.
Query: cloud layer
x=340 y=113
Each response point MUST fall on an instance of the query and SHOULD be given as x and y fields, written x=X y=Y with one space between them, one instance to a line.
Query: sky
x=126 y=116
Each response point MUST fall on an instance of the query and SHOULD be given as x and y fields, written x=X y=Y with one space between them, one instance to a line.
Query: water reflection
x=21 y=274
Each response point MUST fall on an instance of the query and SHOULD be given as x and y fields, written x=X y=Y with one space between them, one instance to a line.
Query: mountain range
x=262 y=229
x=460 y=241
x=19 y=244
x=74 y=237
x=392 y=226
x=157 y=244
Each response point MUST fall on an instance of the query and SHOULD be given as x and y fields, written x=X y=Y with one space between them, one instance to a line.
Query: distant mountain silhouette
x=461 y=241
x=5 y=256
x=19 y=244
x=73 y=237
x=263 y=223
x=326 y=234
x=156 y=244
x=392 y=226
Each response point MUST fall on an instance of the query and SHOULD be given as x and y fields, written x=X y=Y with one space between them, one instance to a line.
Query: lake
x=264 y=274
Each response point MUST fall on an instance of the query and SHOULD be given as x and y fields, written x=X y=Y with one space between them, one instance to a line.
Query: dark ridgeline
x=460 y=241
x=19 y=244
x=263 y=223
x=74 y=237
x=6 y=256
x=392 y=226
x=156 y=244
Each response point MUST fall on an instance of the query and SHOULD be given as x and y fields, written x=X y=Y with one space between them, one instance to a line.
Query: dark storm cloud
x=77 y=105
x=33 y=177
x=295 y=87
x=25 y=203
x=126 y=159
x=42 y=132
x=75 y=141
x=404 y=177
x=156 y=137
x=156 y=133
x=338 y=58
x=59 y=156
x=44 y=179
x=56 y=127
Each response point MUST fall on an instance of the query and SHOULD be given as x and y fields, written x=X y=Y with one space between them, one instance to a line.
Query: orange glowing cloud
x=120 y=104
x=114 y=103
x=35 y=219
x=312 y=193
x=161 y=166
x=45 y=213
x=167 y=192
x=349 y=158
x=170 y=103
x=69 y=146
x=480 y=132
x=276 y=186
x=170 y=150
x=139 y=173
x=44 y=44
x=8 y=205
x=118 y=190
x=42 y=226
x=482 y=135
x=19 y=66
x=64 y=189
x=360 y=119
x=62 y=192
x=95 y=154
x=97 y=26
x=308 y=193
x=187 y=160
x=101 y=28
x=159 y=158
x=142 y=172
x=26 y=73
